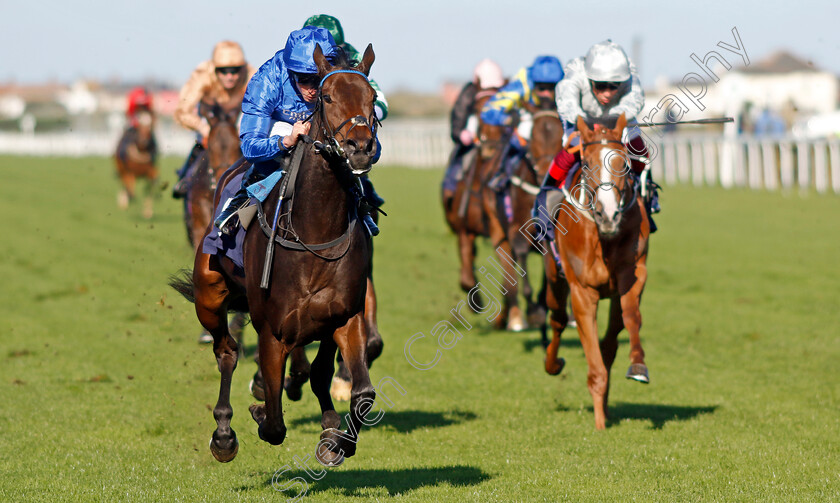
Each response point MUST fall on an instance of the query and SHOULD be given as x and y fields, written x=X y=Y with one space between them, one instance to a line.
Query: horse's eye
x=326 y=98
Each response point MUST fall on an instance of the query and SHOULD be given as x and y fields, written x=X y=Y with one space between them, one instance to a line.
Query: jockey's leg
x=453 y=171
x=226 y=221
x=636 y=146
x=511 y=156
x=559 y=169
x=182 y=185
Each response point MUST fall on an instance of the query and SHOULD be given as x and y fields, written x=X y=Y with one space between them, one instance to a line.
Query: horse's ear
x=321 y=62
x=585 y=132
x=367 y=60
x=620 y=124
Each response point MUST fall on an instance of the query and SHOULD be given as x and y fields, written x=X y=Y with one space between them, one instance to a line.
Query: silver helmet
x=607 y=62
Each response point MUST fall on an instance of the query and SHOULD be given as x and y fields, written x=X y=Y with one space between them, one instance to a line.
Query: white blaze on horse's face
x=608 y=193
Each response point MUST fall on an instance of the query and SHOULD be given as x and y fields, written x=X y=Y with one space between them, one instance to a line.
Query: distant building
x=781 y=82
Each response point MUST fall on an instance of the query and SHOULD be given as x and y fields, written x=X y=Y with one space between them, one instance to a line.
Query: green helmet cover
x=331 y=23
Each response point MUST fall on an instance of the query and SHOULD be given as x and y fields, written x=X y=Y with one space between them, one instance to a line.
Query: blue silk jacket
x=272 y=96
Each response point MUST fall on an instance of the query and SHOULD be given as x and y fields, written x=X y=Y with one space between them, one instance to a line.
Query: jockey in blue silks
x=280 y=96
x=530 y=85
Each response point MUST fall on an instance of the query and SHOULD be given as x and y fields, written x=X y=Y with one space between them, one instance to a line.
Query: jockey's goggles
x=228 y=70
x=544 y=86
x=306 y=79
x=605 y=86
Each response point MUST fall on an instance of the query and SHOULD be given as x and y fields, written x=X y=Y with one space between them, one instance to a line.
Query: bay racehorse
x=135 y=158
x=473 y=211
x=602 y=232
x=222 y=151
x=318 y=271
x=546 y=141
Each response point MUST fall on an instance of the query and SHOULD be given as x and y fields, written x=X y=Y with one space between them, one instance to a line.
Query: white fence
x=757 y=163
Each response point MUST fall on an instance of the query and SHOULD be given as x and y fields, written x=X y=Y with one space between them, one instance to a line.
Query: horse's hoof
x=340 y=389
x=224 y=455
x=516 y=324
x=257 y=391
x=293 y=392
x=638 y=372
x=324 y=455
x=555 y=368
x=257 y=411
x=122 y=200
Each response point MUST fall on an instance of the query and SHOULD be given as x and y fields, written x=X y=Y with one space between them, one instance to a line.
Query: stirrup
x=179 y=190
x=226 y=221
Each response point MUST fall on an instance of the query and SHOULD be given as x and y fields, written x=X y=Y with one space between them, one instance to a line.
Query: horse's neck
x=321 y=204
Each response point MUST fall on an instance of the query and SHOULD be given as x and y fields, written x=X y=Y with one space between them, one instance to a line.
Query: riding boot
x=182 y=185
x=227 y=220
x=652 y=202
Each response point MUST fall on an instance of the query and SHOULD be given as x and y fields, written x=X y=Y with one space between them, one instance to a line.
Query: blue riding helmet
x=546 y=69
x=297 y=55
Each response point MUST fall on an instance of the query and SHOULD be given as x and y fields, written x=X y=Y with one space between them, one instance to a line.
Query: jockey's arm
x=497 y=111
x=461 y=111
x=570 y=92
x=186 y=114
x=259 y=102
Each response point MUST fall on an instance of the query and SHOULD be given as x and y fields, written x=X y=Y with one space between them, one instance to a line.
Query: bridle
x=628 y=198
x=332 y=146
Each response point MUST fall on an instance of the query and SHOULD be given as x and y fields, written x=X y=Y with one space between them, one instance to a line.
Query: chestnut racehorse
x=135 y=158
x=546 y=141
x=473 y=212
x=602 y=235
x=318 y=271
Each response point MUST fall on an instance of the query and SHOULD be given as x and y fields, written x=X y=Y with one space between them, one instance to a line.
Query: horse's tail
x=182 y=283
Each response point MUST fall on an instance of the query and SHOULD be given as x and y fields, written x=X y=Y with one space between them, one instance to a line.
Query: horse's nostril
x=353 y=145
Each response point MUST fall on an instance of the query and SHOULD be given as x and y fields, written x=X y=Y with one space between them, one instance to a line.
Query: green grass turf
x=106 y=396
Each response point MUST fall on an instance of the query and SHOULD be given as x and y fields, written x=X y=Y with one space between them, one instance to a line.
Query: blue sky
x=418 y=44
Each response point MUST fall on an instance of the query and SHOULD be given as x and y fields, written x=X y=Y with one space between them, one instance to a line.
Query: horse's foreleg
x=511 y=318
x=269 y=415
x=585 y=305
x=352 y=340
x=466 y=250
x=632 y=318
x=609 y=344
x=211 y=307
x=322 y=371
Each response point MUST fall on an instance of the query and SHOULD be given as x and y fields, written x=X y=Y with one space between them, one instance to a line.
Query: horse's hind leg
x=299 y=371
x=609 y=344
x=322 y=371
x=211 y=307
x=351 y=340
x=340 y=389
x=632 y=318
x=557 y=292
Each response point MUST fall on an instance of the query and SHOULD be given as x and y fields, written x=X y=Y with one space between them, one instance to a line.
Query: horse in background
x=602 y=232
x=135 y=158
x=546 y=141
x=316 y=291
x=473 y=211
x=222 y=151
